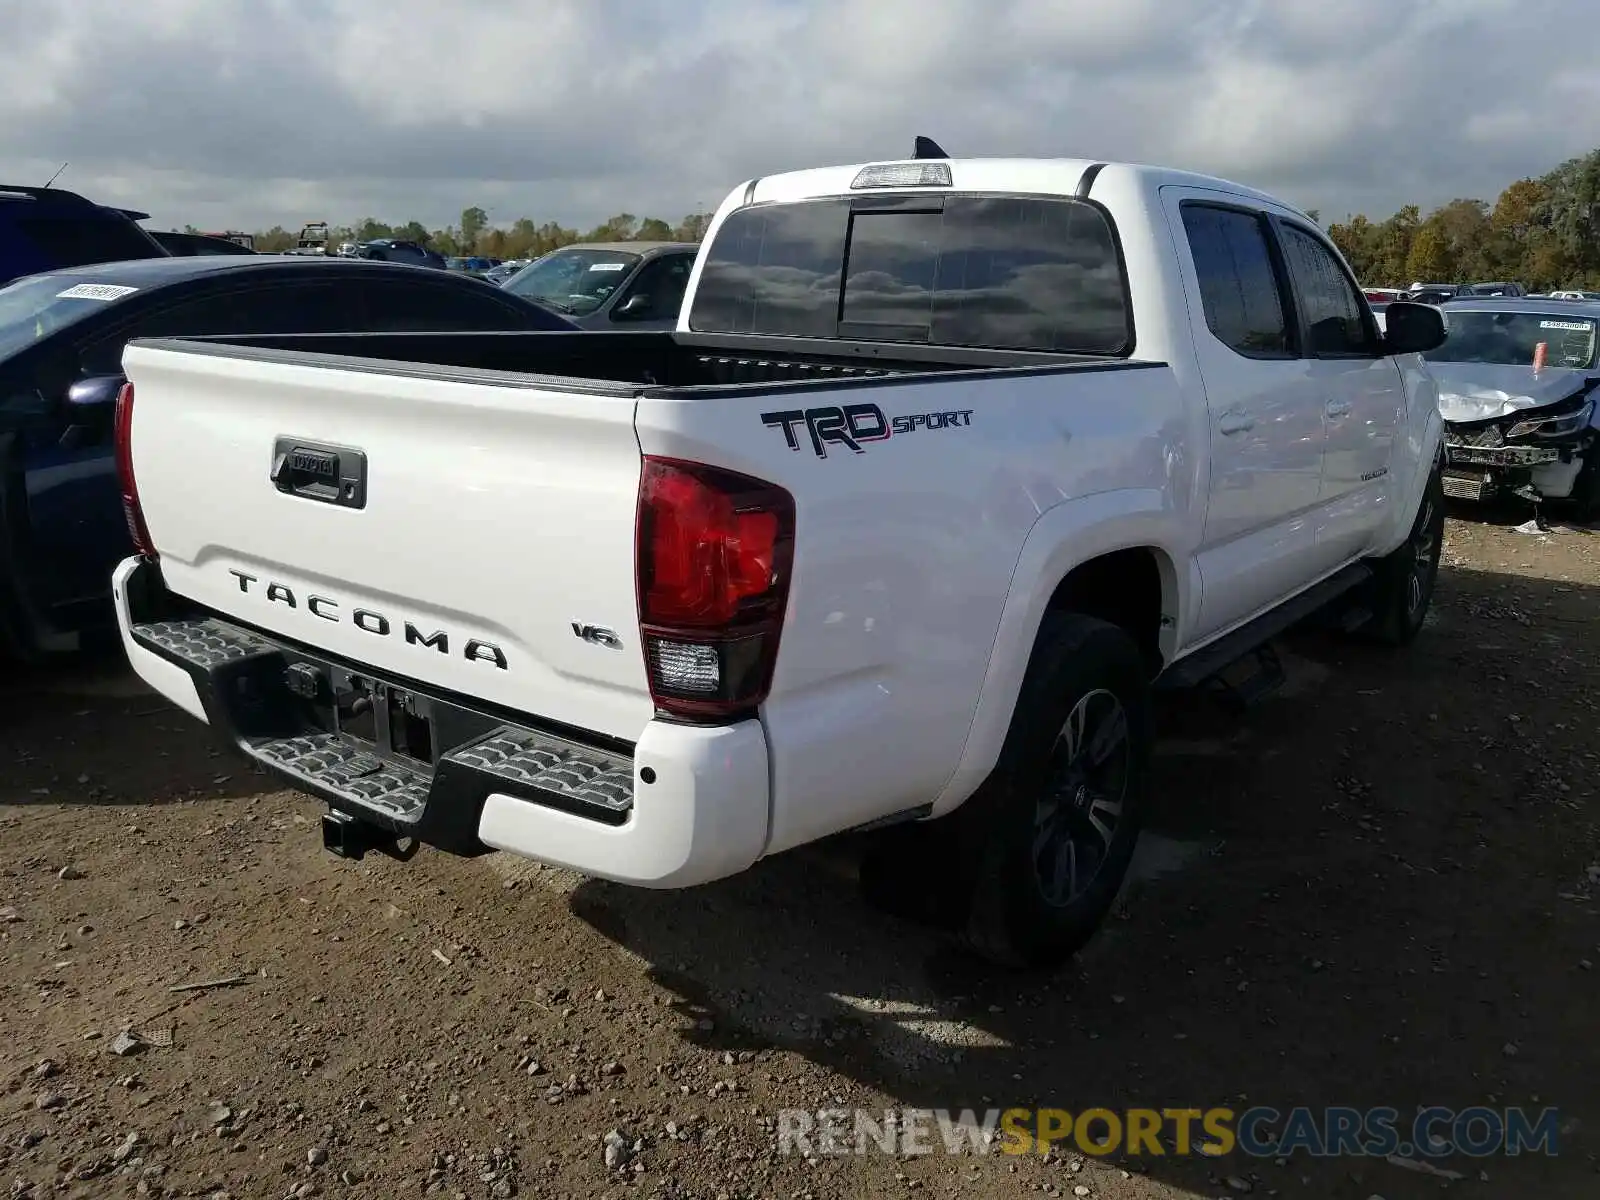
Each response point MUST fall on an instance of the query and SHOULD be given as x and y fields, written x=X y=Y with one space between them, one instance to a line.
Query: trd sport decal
x=854 y=425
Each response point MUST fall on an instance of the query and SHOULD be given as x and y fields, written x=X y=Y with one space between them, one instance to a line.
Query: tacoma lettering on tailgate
x=368 y=621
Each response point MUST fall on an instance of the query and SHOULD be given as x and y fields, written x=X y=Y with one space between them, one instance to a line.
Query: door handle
x=1337 y=408
x=1236 y=421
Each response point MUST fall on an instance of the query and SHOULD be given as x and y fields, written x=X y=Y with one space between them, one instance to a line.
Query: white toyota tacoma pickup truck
x=948 y=464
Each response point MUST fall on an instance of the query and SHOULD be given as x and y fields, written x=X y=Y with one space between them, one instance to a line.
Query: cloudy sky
x=248 y=113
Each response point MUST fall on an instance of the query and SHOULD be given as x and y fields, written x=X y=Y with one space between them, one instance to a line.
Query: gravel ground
x=1381 y=887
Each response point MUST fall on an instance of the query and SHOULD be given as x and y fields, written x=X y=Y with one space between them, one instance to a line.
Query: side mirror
x=1411 y=328
x=97 y=393
x=637 y=306
x=90 y=405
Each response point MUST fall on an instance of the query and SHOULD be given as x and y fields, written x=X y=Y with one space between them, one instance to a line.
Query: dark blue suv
x=46 y=229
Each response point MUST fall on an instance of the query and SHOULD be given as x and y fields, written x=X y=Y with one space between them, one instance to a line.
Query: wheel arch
x=1113 y=556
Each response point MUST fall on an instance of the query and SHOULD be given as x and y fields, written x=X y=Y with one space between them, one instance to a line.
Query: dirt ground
x=1381 y=887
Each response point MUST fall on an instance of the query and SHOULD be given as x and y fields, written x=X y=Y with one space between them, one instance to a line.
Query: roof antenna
x=928 y=148
x=57 y=175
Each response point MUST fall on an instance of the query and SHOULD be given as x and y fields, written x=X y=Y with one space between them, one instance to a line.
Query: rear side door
x=1266 y=428
x=1359 y=388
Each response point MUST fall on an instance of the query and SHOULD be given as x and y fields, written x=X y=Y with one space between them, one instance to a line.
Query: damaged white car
x=1517 y=389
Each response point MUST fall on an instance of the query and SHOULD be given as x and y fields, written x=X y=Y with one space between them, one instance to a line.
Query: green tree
x=620 y=228
x=522 y=238
x=693 y=227
x=413 y=231
x=1429 y=255
x=1571 y=213
x=473 y=222
x=274 y=241
x=1357 y=239
x=1394 y=241
x=1464 y=226
x=654 y=229
x=368 y=228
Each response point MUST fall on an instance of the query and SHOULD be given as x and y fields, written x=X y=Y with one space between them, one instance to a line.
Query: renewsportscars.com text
x=1260 y=1132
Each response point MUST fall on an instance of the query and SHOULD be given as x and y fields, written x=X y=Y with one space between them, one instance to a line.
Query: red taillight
x=714 y=553
x=131 y=511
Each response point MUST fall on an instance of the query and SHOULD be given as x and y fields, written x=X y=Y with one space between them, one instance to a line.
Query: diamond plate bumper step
x=256 y=693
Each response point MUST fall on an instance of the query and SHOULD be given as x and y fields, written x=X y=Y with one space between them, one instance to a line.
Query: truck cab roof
x=1028 y=176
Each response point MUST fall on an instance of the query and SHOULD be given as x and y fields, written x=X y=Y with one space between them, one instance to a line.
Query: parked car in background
x=470 y=264
x=189 y=245
x=1383 y=295
x=393 y=250
x=61 y=340
x=1433 y=293
x=1517 y=379
x=313 y=239
x=501 y=272
x=42 y=229
x=606 y=285
x=1574 y=294
x=1496 y=289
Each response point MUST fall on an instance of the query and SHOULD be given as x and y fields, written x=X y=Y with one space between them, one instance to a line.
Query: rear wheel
x=1048 y=841
x=1403 y=581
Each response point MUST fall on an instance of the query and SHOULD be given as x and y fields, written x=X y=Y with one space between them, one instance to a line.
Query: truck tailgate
x=496 y=525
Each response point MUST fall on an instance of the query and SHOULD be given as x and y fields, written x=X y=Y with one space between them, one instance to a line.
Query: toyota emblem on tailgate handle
x=317 y=471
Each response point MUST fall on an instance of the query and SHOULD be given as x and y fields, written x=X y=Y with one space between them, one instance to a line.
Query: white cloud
x=234 y=114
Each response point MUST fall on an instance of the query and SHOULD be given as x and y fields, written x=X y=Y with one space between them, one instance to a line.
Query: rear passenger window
x=985 y=272
x=1238 y=286
x=1333 y=311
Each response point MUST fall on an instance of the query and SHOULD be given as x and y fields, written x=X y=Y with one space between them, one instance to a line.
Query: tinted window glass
x=330 y=307
x=1022 y=274
x=663 y=281
x=1013 y=274
x=1329 y=303
x=892 y=275
x=774 y=270
x=291 y=308
x=192 y=317
x=1238 y=288
x=66 y=242
x=399 y=305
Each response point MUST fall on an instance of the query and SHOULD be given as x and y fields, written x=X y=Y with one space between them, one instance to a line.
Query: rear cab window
x=1041 y=274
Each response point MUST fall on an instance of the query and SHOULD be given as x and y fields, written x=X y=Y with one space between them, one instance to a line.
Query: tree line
x=1543 y=232
x=473 y=234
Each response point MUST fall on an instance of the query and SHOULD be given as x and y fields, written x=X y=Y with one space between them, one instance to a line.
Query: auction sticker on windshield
x=96 y=291
x=1571 y=326
x=607 y=266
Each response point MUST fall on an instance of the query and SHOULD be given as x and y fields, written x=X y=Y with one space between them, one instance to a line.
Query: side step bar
x=1252 y=640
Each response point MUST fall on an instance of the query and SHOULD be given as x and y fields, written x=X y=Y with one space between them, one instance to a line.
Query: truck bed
x=633 y=363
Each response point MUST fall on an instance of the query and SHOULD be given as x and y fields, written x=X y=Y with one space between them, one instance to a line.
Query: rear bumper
x=682 y=806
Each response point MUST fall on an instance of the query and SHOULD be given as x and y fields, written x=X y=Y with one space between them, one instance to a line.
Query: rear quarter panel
x=907 y=550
